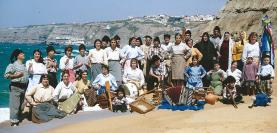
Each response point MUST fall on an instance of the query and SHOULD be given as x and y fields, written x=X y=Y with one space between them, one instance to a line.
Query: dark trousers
x=151 y=82
x=53 y=79
x=17 y=95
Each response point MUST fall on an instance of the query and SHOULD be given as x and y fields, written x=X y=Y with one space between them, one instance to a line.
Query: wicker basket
x=141 y=106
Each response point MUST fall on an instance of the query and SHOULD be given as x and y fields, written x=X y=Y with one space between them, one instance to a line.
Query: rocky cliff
x=246 y=15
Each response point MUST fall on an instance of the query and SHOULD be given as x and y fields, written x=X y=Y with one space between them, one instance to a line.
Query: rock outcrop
x=243 y=15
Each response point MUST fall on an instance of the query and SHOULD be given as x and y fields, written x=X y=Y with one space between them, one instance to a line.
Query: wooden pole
x=108 y=90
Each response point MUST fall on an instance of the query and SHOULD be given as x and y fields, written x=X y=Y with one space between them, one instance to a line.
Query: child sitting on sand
x=216 y=77
x=230 y=95
x=120 y=101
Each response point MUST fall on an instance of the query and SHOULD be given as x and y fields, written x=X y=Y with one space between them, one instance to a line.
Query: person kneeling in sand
x=40 y=98
x=230 y=95
x=65 y=94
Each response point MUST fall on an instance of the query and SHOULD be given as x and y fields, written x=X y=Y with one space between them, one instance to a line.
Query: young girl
x=194 y=74
x=100 y=80
x=36 y=68
x=216 y=77
x=249 y=74
x=67 y=63
x=97 y=57
x=230 y=95
x=120 y=101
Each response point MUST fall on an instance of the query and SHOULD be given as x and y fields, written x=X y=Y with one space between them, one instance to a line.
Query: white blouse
x=252 y=50
x=130 y=52
x=69 y=65
x=133 y=74
x=98 y=56
x=37 y=68
x=101 y=80
x=113 y=54
x=62 y=91
x=166 y=47
x=179 y=49
x=236 y=74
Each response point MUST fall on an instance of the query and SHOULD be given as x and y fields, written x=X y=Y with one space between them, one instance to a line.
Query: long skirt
x=71 y=75
x=33 y=80
x=95 y=70
x=116 y=70
x=70 y=104
x=177 y=66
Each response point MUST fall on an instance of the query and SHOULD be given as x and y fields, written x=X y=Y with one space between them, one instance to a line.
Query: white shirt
x=166 y=47
x=236 y=74
x=133 y=74
x=69 y=65
x=130 y=52
x=62 y=91
x=37 y=68
x=179 y=49
x=113 y=54
x=101 y=80
x=216 y=42
x=252 y=50
x=98 y=56
x=266 y=70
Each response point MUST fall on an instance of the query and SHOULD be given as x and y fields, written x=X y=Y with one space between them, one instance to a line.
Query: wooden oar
x=108 y=89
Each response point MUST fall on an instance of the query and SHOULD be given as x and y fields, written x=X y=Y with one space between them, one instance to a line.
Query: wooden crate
x=141 y=106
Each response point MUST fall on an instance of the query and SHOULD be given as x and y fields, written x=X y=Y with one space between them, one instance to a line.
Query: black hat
x=50 y=48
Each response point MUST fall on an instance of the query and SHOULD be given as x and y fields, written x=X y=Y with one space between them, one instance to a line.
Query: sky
x=17 y=13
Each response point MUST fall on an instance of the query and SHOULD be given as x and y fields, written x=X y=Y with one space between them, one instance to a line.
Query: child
x=236 y=73
x=216 y=77
x=157 y=72
x=194 y=74
x=230 y=95
x=120 y=101
x=100 y=80
x=265 y=76
x=249 y=74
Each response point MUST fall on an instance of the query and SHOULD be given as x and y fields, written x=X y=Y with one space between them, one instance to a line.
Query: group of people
x=229 y=65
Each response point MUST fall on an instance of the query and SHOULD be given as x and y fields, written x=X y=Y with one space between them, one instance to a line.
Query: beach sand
x=216 y=118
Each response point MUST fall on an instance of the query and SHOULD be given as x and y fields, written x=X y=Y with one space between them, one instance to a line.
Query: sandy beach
x=216 y=118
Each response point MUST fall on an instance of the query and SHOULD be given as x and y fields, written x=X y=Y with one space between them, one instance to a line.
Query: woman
x=156 y=49
x=65 y=90
x=35 y=69
x=208 y=50
x=100 y=81
x=134 y=74
x=225 y=51
x=51 y=65
x=252 y=49
x=97 y=57
x=83 y=86
x=67 y=63
x=40 y=93
x=18 y=74
x=194 y=52
x=238 y=49
x=114 y=57
x=180 y=52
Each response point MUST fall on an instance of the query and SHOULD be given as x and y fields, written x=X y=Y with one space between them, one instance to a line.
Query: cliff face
x=243 y=15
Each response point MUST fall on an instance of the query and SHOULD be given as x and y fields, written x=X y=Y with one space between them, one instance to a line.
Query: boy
x=265 y=76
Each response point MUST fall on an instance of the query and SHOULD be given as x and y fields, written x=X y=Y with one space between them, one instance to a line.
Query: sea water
x=5 y=51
